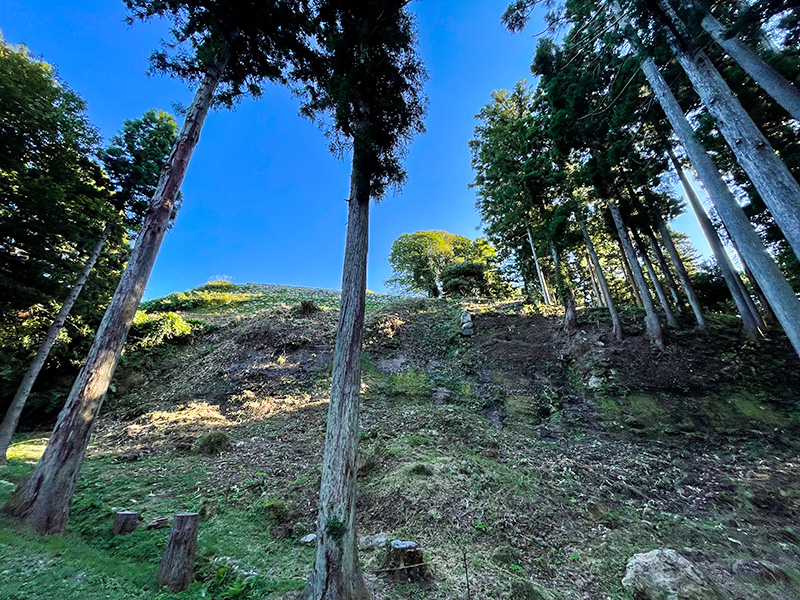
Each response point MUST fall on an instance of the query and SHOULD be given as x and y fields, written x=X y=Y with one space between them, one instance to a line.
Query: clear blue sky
x=263 y=198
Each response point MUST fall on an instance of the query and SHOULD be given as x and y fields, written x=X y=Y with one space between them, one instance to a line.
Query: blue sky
x=263 y=197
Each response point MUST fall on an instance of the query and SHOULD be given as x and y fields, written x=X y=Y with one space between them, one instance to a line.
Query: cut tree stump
x=177 y=565
x=126 y=522
x=405 y=563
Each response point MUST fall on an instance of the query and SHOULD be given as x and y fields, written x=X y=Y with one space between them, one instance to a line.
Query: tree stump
x=126 y=522
x=405 y=563
x=177 y=565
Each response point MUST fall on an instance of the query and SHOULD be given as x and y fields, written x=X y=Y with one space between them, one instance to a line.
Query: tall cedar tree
x=230 y=48
x=367 y=80
x=133 y=162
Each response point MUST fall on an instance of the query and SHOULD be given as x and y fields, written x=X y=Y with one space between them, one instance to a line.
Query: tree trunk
x=664 y=268
x=675 y=257
x=595 y=289
x=616 y=322
x=564 y=290
x=651 y=320
x=126 y=522
x=11 y=420
x=662 y=297
x=773 y=181
x=175 y=571
x=336 y=574
x=43 y=500
x=545 y=292
x=772 y=82
x=626 y=267
x=751 y=324
x=780 y=295
x=769 y=316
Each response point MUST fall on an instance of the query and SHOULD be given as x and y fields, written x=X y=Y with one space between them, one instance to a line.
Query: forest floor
x=542 y=462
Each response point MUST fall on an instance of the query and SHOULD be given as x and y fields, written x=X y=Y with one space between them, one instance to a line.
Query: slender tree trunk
x=780 y=295
x=751 y=325
x=662 y=297
x=769 y=316
x=626 y=267
x=616 y=322
x=336 y=574
x=680 y=268
x=651 y=320
x=783 y=91
x=664 y=267
x=545 y=292
x=564 y=290
x=773 y=181
x=43 y=500
x=595 y=289
x=9 y=424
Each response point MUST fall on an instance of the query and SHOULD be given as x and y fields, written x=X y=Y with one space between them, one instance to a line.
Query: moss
x=335 y=528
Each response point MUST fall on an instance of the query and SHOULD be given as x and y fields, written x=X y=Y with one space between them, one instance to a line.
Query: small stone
x=595 y=382
x=527 y=590
x=309 y=540
x=468 y=330
x=373 y=542
x=466 y=318
x=239 y=445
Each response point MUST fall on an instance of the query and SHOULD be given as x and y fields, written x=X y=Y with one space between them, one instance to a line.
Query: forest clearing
x=596 y=397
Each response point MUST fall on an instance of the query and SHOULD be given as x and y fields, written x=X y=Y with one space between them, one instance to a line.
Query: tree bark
x=336 y=574
x=769 y=317
x=769 y=175
x=626 y=267
x=595 y=290
x=175 y=571
x=651 y=320
x=783 y=91
x=564 y=290
x=616 y=322
x=126 y=522
x=680 y=268
x=662 y=297
x=11 y=420
x=751 y=324
x=545 y=292
x=782 y=299
x=664 y=268
x=43 y=500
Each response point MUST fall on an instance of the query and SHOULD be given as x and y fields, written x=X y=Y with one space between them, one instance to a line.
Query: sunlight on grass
x=29 y=450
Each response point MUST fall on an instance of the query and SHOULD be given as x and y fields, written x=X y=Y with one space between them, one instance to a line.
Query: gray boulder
x=666 y=575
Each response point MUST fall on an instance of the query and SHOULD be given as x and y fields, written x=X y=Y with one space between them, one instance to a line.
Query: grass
x=552 y=505
x=223 y=297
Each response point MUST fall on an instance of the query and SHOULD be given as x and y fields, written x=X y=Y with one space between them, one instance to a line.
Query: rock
x=595 y=382
x=761 y=570
x=527 y=590
x=467 y=326
x=441 y=395
x=666 y=575
x=309 y=540
x=373 y=542
x=158 y=523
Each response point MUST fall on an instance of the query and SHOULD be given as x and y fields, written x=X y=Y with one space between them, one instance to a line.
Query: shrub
x=149 y=331
x=214 y=444
x=465 y=279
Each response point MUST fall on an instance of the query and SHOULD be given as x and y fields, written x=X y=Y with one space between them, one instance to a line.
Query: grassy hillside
x=527 y=463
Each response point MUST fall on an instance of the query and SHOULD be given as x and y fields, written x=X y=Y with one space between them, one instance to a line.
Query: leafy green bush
x=465 y=279
x=149 y=331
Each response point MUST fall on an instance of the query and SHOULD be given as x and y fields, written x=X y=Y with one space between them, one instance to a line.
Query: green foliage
x=151 y=330
x=419 y=259
x=209 y=297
